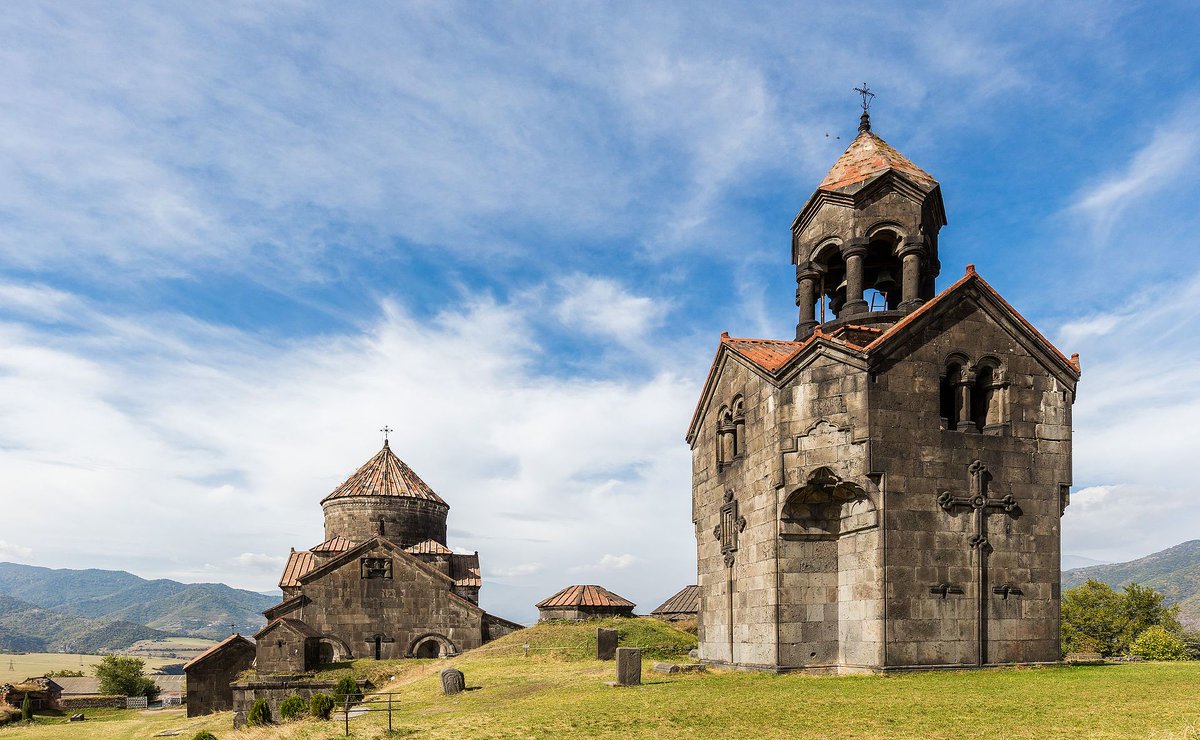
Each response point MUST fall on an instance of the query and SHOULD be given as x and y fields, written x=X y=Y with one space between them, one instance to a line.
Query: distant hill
x=199 y=609
x=30 y=628
x=1174 y=572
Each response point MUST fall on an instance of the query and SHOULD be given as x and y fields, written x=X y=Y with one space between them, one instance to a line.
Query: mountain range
x=1174 y=572
x=63 y=609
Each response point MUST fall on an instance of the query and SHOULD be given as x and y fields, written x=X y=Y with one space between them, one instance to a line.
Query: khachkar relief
x=731 y=525
x=980 y=504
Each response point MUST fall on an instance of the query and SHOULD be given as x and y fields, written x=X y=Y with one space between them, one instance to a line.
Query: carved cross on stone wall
x=981 y=504
x=731 y=524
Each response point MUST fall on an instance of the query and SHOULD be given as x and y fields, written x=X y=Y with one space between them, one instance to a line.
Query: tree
x=347 y=687
x=1095 y=618
x=1159 y=643
x=1092 y=619
x=125 y=676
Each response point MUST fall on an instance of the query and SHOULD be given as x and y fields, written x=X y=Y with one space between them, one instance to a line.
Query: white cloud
x=603 y=307
x=167 y=436
x=257 y=561
x=12 y=551
x=608 y=562
x=517 y=571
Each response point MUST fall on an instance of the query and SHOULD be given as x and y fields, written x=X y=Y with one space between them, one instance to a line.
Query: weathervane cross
x=386 y=431
x=867 y=96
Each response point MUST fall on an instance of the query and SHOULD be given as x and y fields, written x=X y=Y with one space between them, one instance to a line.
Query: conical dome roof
x=385 y=475
x=867 y=157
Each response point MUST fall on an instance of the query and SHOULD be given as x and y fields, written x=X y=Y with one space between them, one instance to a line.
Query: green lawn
x=561 y=693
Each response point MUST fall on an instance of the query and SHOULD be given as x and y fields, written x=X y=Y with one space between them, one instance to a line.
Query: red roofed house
x=884 y=491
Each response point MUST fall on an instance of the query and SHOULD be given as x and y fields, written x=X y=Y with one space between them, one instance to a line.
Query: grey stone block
x=629 y=667
x=606 y=644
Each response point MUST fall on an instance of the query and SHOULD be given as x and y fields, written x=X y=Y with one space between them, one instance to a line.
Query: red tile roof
x=585 y=596
x=868 y=156
x=686 y=601
x=769 y=354
x=299 y=563
x=464 y=569
x=216 y=649
x=429 y=547
x=335 y=544
x=385 y=475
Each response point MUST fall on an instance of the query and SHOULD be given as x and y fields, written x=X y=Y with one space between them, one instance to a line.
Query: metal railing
x=360 y=704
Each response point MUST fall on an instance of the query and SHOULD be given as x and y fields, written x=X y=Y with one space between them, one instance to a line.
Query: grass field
x=29 y=665
x=556 y=691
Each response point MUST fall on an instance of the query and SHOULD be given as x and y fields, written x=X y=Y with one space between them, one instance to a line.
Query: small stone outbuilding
x=578 y=603
x=681 y=607
x=287 y=646
x=210 y=673
x=43 y=693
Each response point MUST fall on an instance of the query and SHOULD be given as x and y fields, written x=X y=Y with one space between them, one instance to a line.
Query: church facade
x=884 y=491
x=383 y=584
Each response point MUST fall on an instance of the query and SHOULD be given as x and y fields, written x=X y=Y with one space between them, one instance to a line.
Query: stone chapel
x=883 y=492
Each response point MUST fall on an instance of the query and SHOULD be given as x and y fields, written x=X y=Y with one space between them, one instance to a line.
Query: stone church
x=382 y=584
x=883 y=492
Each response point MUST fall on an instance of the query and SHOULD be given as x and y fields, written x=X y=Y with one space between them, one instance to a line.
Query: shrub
x=204 y=735
x=293 y=707
x=347 y=687
x=260 y=713
x=125 y=677
x=320 y=706
x=1192 y=641
x=1156 y=643
x=26 y=709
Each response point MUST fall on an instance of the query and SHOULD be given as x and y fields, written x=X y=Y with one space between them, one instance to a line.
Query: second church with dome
x=383 y=584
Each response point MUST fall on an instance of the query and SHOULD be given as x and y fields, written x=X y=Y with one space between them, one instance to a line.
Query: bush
x=204 y=735
x=1156 y=643
x=1192 y=641
x=347 y=687
x=320 y=706
x=293 y=707
x=260 y=714
x=26 y=709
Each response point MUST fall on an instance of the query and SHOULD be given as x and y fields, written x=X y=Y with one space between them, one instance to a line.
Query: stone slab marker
x=606 y=644
x=629 y=667
x=453 y=681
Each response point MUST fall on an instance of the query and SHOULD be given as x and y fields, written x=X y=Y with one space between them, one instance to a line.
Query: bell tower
x=865 y=243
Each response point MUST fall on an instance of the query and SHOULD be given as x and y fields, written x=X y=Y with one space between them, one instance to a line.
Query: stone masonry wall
x=406 y=521
x=1028 y=457
x=208 y=683
x=409 y=605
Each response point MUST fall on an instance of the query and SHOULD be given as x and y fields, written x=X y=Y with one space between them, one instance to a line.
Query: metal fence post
x=389 y=713
x=346 y=714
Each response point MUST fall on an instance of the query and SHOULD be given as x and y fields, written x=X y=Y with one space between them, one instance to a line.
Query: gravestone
x=453 y=681
x=239 y=719
x=606 y=644
x=629 y=667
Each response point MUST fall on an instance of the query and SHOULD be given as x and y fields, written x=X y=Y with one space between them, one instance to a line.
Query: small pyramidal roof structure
x=385 y=475
x=585 y=596
x=687 y=601
x=867 y=157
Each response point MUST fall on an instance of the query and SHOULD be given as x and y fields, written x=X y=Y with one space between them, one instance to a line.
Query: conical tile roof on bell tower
x=867 y=157
x=385 y=475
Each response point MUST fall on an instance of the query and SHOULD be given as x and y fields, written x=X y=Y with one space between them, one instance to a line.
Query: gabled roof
x=218 y=648
x=774 y=357
x=334 y=544
x=385 y=475
x=869 y=156
x=585 y=596
x=464 y=569
x=299 y=562
x=295 y=625
x=686 y=601
x=429 y=547
x=286 y=606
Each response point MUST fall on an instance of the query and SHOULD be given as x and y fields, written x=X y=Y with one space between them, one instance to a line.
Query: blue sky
x=238 y=238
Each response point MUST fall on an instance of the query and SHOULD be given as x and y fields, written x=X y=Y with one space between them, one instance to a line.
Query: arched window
x=951 y=391
x=739 y=426
x=973 y=398
x=988 y=396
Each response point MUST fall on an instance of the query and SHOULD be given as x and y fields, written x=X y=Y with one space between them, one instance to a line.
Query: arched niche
x=431 y=645
x=827 y=507
x=331 y=649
